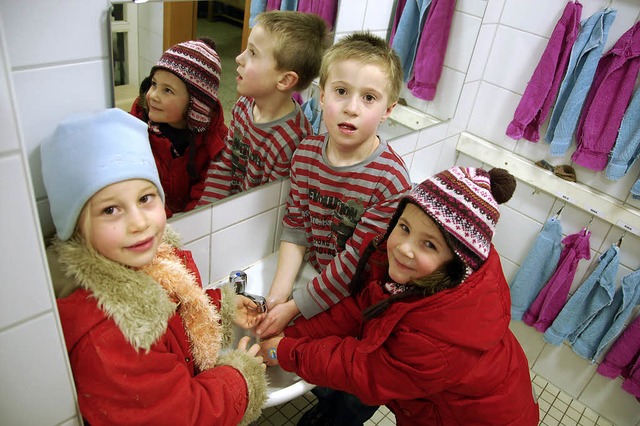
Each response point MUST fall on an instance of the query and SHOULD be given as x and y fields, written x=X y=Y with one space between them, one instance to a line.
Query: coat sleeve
x=343 y=319
x=118 y=385
x=407 y=365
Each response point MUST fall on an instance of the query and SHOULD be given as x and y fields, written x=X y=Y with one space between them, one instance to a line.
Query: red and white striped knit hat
x=198 y=65
x=464 y=202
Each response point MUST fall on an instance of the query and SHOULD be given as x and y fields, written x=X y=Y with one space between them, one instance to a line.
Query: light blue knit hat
x=88 y=152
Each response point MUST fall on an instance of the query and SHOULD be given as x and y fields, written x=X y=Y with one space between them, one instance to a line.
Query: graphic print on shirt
x=339 y=225
x=241 y=156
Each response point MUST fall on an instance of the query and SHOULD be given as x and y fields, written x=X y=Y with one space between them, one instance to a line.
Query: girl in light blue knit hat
x=143 y=337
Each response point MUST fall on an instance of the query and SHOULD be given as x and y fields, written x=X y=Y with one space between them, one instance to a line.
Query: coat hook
x=588 y=225
x=620 y=240
x=561 y=208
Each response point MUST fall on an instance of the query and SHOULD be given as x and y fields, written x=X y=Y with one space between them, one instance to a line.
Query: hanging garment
x=432 y=48
x=310 y=109
x=404 y=37
x=635 y=190
x=606 y=326
x=553 y=296
x=257 y=7
x=623 y=359
x=542 y=89
x=607 y=101
x=585 y=54
x=289 y=5
x=537 y=268
x=595 y=293
x=326 y=9
x=273 y=4
x=627 y=147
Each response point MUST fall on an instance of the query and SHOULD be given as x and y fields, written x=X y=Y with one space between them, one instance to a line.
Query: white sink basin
x=283 y=386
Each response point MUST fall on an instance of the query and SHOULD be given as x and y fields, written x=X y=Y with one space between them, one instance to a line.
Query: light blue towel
x=289 y=5
x=610 y=321
x=537 y=268
x=635 y=190
x=585 y=55
x=310 y=109
x=257 y=7
x=627 y=147
x=405 y=40
x=595 y=293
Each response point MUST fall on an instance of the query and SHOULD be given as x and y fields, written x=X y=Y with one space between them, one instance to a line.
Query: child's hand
x=277 y=319
x=252 y=351
x=269 y=350
x=247 y=315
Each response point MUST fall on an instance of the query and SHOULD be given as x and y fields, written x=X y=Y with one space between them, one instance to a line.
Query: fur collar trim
x=141 y=302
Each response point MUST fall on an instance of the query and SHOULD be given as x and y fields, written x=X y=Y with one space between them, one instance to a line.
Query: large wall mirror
x=141 y=32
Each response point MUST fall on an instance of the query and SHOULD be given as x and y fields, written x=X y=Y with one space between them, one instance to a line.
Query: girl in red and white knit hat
x=426 y=330
x=179 y=101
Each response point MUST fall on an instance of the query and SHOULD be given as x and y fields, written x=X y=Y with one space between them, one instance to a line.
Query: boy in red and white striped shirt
x=345 y=184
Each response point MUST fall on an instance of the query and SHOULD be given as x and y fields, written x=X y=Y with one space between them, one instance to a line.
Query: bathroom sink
x=283 y=386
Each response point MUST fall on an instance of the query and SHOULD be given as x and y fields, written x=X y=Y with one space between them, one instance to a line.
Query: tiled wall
x=54 y=62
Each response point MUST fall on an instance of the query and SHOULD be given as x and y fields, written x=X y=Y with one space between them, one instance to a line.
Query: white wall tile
x=21 y=263
x=534 y=16
x=200 y=249
x=472 y=7
x=448 y=154
x=536 y=205
x=350 y=16
x=509 y=268
x=245 y=205
x=405 y=144
x=465 y=106
x=494 y=11
x=448 y=92
x=34 y=36
x=562 y=367
x=424 y=163
x=431 y=135
x=462 y=40
x=42 y=103
x=9 y=140
x=193 y=225
x=513 y=58
x=242 y=244
x=515 y=223
x=377 y=16
x=530 y=340
x=607 y=398
x=492 y=113
x=481 y=51
x=36 y=387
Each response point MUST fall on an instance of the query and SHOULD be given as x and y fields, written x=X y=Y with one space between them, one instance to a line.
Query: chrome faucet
x=238 y=279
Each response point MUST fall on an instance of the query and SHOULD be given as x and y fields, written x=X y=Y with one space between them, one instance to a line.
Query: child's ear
x=387 y=113
x=287 y=81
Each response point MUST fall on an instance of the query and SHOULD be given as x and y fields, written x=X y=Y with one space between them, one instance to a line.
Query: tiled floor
x=556 y=409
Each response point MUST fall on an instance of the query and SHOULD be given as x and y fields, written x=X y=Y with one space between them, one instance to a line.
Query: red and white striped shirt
x=254 y=153
x=330 y=210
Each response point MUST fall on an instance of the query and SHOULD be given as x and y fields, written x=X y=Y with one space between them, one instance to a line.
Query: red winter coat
x=181 y=193
x=119 y=384
x=448 y=359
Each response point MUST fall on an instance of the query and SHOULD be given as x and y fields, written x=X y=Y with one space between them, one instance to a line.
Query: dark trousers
x=337 y=408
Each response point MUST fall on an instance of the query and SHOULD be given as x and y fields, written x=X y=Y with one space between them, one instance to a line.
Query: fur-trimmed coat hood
x=144 y=345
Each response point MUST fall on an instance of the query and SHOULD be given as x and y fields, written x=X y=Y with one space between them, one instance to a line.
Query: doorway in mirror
x=223 y=23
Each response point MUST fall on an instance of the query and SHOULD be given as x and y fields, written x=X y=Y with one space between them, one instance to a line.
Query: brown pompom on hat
x=197 y=64
x=464 y=202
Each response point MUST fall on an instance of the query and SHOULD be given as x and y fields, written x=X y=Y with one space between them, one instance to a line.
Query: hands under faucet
x=248 y=314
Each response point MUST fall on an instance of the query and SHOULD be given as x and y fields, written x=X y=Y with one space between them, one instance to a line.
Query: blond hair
x=366 y=48
x=300 y=40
